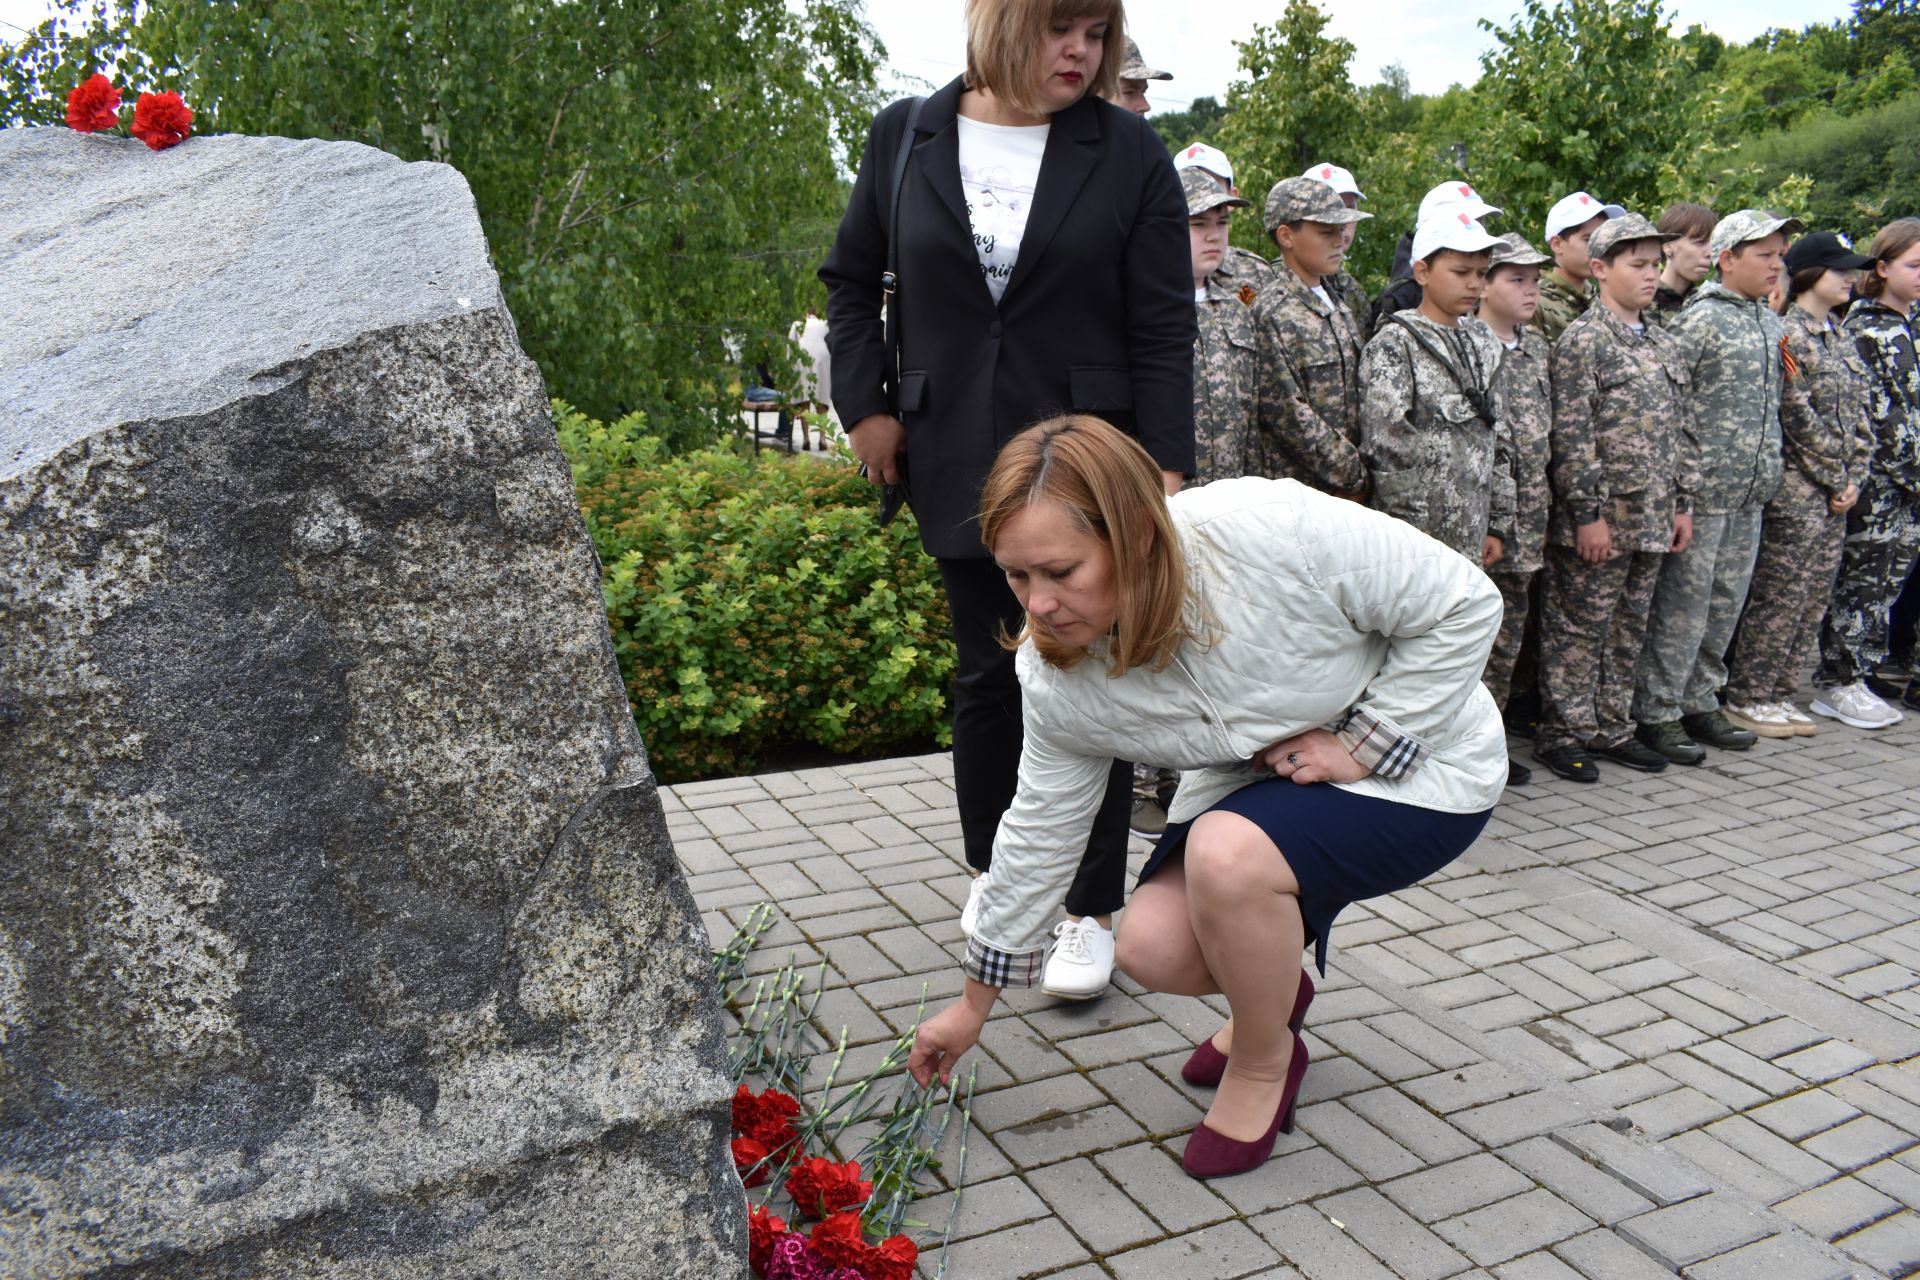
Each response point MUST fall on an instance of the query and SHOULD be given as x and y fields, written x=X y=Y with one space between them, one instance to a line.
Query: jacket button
x=993 y=329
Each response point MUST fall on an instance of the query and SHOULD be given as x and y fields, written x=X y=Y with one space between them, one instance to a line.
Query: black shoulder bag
x=894 y=496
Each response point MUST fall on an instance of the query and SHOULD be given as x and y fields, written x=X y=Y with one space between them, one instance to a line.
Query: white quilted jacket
x=1318 y=605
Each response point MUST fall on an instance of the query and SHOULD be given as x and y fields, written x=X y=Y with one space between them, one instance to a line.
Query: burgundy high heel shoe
x=1208 y=1064
x=1211 y=1155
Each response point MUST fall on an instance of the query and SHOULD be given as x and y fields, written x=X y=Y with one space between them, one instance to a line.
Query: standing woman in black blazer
x=1042 y=268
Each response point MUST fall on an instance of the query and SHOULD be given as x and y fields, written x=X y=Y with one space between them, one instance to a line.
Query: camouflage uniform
x=1827 y=444
x=1667 y=304
x=1226 y=437
x=1438 y=460
x=1560 y=306
x=1623 y=450
x=1243 y=273
x=1731 y=345
x=1347 y=292
x=1526 y=398
x=1309 y=381
x=1883 y=529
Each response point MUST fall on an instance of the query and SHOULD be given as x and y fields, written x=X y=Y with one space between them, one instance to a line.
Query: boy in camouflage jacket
x=1309 y=344
x=1826 y=442
x=1431 y=428
x=1731 y=342
x=1525 y=388
x=1624 y=472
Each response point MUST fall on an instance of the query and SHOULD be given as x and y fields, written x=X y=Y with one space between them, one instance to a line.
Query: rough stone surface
x=340 y=929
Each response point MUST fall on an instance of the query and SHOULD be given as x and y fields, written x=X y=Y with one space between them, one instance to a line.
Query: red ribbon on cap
x=1465 y=221
x=1466 y=191
x=1327 y=172
x=1585 y=199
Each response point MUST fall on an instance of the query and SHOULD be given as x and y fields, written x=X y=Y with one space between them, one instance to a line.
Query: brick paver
x=1669 y=1024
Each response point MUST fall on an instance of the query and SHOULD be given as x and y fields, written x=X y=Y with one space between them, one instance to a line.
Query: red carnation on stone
x=763 y=1228
x=94 y=106
x=750 y=1161
x=161 y=120
x=840 y=1241
x=892 y=1259
x=820 y=1187
x=767 y=1119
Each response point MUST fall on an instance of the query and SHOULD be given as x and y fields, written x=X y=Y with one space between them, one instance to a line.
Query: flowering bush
x=160 y=120
x=756 y=604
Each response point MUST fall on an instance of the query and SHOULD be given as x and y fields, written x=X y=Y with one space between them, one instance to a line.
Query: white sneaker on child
x=1855 y=704
x=1081 y=965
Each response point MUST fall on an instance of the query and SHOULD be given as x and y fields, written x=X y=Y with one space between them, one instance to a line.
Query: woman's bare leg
x=1155 y=946
x=1244 y=905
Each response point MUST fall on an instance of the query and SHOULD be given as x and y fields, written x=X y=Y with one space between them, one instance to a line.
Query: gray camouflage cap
x=1203 y=193
x=1624 y=229
x=1514 y=251
x=1307 y=200
x=1748 y=224
x=1134 y=68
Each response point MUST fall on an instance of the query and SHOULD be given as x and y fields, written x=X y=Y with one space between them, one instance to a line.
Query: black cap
x=1824 y=249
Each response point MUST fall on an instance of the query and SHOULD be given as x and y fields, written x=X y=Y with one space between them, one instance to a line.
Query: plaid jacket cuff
x=997 y=968
x=1375 y=743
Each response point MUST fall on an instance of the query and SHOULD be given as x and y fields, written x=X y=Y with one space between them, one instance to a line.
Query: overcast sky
x=1438 y=43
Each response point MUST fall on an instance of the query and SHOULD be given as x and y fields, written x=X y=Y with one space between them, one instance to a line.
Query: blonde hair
x=1894 y=240
x=1004 y=39
x=1110 y=488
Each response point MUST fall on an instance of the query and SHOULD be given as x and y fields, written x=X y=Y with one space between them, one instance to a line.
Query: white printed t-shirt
x=999 y=168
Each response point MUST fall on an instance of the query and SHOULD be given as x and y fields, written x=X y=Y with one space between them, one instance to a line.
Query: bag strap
x=890 y=280
x=1477 y=396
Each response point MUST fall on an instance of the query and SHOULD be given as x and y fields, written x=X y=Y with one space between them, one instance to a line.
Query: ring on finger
x=1293 y=757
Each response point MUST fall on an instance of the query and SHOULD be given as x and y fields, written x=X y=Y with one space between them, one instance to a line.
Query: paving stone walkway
x=1665 y=1025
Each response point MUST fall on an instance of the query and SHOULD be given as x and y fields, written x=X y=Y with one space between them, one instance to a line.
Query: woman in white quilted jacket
x=1312 y=667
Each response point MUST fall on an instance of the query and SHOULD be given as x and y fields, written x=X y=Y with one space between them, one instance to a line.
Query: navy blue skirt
x=1343 y=847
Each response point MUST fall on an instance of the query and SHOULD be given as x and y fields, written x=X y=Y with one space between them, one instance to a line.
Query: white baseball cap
x=1202 y=156
x=1452 y=229
x=1339 y=179
x=1576 y=209
x=1454 y=197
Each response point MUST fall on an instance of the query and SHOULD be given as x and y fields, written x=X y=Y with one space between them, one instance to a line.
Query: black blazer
x=1097 y=316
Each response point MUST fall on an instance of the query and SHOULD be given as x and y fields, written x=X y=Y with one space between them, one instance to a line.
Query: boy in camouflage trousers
x=1566 y=291
x=1431 y=428
x=1826 y=442
x=1226 y=441
x=1309 y=344
x=1731 y=341
x=1883 y=529
x=1525 y=388
x=1624 y=472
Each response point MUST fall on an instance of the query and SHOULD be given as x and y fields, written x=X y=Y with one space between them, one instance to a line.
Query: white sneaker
x=1763 y=718
x=1082 y=961
x=1802 y=723
x=1855 y=704
x=970 y=914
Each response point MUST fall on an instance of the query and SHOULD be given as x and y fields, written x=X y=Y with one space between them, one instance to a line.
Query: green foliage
x=1198 y=123
x=1293 y=105
x=1586 y=93
x=657 y=182
x=755 y=604
x=1859 y=172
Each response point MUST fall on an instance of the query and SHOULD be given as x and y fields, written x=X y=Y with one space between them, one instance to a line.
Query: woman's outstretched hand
x=941 y=1040
x=1313 y=756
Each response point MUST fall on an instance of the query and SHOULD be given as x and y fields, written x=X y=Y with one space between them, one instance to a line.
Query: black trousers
x=987 y=736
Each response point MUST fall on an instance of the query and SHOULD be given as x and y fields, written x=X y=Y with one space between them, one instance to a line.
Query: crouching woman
x=1312 y=666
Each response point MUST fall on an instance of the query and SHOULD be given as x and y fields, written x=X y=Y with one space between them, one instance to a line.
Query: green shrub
x=755 y=604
